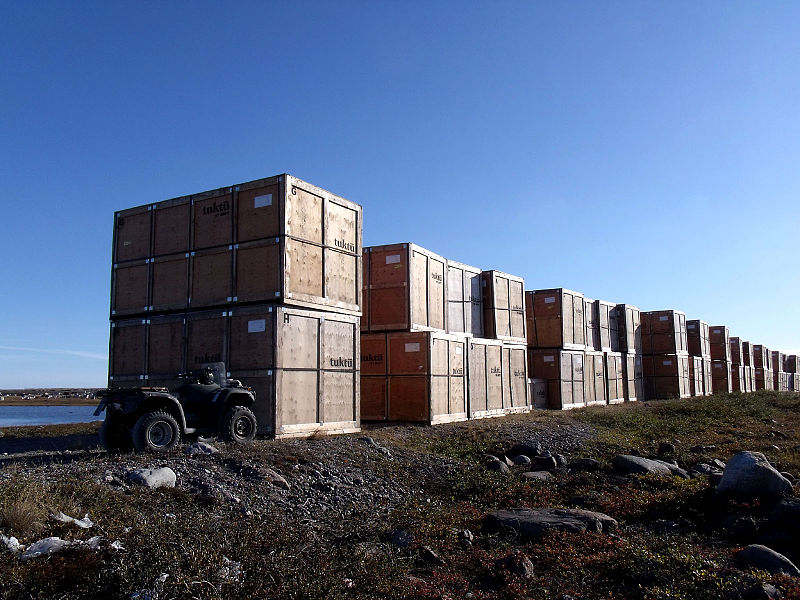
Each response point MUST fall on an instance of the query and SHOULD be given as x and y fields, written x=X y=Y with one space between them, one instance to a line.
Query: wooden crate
x=748 y=356
x=762 y=357
x=764 y=379
x=555 y=319
x=277 y=239
x=127 y=347
x=166 y=346
x=632 y=372
x=720 y=340
x=497 y=378
x=607 y=325
x=407 y=289
x=594 y=378
x=537 y=391
x=792 y=364
x=666 y=376
x=615 y=377
x=698 y=343
x=464 y=299
x=696 y=376
x=503 y=307
x=592 y=320
x=629 y=321
x=722 y=379
x=414 y=377
x=563 y=372
x=708 y=376
x=737 y=350
x=737 y=378
x=664 y=332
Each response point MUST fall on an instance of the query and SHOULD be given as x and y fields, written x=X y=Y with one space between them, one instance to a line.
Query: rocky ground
x=618 y=502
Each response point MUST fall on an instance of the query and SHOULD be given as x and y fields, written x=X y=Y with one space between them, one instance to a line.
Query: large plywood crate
x=779 y=381
x=666 y=376
x=696 y=376
x=406 y=288
x=413 y=377
x=697 y=338
x=738 y=378
x=629 y=322
x=503 y=306
x=719 y=336
x=762 y=357
x=555 y=319
x=721 y=376
x=563 y=372
x=634 y=376
x=615 y=377
x=664 y=332
x=763 y=379
x=497 y=376
x=708 y=376
x=792 y=364
x=303 y=365
x=607 y=325
x=592 y=320
x=594 y=378
x=748 y=356
x=737 y=350
x=464 y=299
x=278 y=239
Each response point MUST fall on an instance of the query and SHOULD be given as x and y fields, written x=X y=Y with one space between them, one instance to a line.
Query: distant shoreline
x=72 y=401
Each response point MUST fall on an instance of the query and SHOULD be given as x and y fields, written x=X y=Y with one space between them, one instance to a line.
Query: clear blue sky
x=640 y=152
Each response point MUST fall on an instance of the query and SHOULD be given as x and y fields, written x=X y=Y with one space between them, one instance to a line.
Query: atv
x=155 y=419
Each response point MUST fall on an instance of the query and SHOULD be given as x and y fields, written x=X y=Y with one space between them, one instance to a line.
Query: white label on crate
x=392 y=259
x=412 y=347
x=257 y=326
x=549 y=358
x=665 y=318
x=262 y=201
x=458 y=350
x=549 y=299
x=717 y=331
x=717 y=366
x=667 y=363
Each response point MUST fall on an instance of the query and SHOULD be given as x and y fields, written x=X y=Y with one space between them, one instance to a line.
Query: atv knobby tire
x=115 y=436
x=238 y=425
x=156 y=432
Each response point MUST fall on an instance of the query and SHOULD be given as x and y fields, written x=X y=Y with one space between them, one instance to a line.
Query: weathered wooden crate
x=555 y=319
x=407 y=289
x=762 y=357
x=592 y=320
x=708 y=376
x=278 y=239
x=615 y=377
x=664 y=332
x=737 y=350
x=304 y=365
x=413 y=377
x=594 y=378
x=666 y=376
x=764 y=379
x=537 y=391
x=737 y=378
x=607 y=325
x=792 y=364
x=720 y=341
x=632 y=372
x=748 y=356
x=497 y=374
x=503 y=307
x=722 y=378
x=464 y=299
x=629 y=321
x=127 y=349
x=698 y=343
x=696 y=375
x=563 y=372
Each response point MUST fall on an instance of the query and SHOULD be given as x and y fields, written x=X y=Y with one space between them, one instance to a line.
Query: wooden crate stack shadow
x=264 y=276
x=441 y=340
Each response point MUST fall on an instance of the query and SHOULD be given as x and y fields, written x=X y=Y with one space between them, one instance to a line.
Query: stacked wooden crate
x=721 y=358
x=780 y=378
x=422 y=333
x=748 y=358
x=700 y=381
x=762 y=361
x=792 y=366
x=609 y=335
x=629 y=323
x=666 y=356
x=740 y=373
x=264 y=277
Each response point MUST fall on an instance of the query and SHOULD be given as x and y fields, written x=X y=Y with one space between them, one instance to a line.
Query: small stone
x=584 y=464
x=561 y=460
x=750 y=474
x=275 y=478
x=497 y=465
x=665 y=448
x=762 y=591
x=522 y=460
x=764 y=558
x=537 y=475
x=529 y=449
x=466 y=536
x=201 y=448
x=543 y=463
x=153 y=478
x=718 y=463
x=701 y=448
x=427 y=554
x=517 y=563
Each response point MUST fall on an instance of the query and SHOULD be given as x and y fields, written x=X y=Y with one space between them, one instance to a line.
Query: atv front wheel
x=238 y=425
x=156 y=432
x=115 y=435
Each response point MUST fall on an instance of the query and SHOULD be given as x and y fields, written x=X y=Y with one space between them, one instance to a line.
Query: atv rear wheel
x=115 y=435
x=156 y=432
x=238 y=425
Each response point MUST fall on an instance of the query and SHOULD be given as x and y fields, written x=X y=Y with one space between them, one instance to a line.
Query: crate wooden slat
x=633 y=376
x=563 y=372
x=464 y=299
x=666 y=376
x=503 y=306
x=607 y=325
x=615 y=377
x=698 y=343
x=629 y=321
x=594 y=378
x=555 y=319
x=497 y=374
x=719 y=337
x=664 y=332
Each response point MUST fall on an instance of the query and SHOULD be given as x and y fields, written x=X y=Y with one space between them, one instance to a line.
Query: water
x=15 y=416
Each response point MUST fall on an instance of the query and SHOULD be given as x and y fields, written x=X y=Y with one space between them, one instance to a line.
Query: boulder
x=427 y=554
x=497 y=465
x=766 y=559
x=584 y=464
x=665 y=448
x=201 y=448
x=522 y=460
x=749 y=474
x=561 y=460
x=625 y=463
x=543 y=463
x=153 y=478
x=762 y=591
x=529 y=449
x=537 y=475
x=533 y=523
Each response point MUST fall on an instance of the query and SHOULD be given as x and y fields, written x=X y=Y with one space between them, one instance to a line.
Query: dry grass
x=21 y=507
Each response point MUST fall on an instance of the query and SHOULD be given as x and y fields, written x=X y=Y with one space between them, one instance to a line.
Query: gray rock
x=401 y=538
x=543 y=463
x=625 y=463
x=466 y=536
x=537 y=475
x=703 y=469
x=665 y=448
x=762 y=591
x=533 y=523
x=427 y=554
x=715 y=462
x=517 y=563
x=766 y=559
x=508 y=461
x=701 y=448
x=497 y=465
x=750 y=474
x=584 y=464
x=201 y=448
x=275 y=478
x=522 y=460
x=561 y=460
x=153 y=478
x=529 y=449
